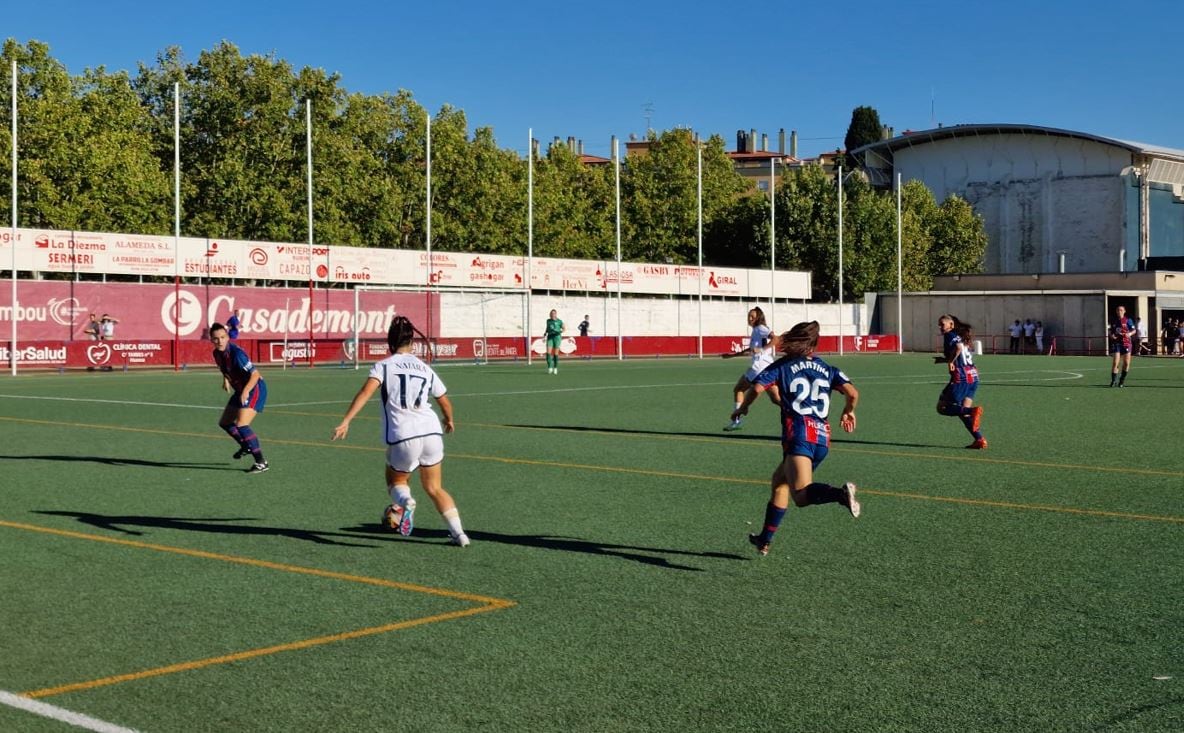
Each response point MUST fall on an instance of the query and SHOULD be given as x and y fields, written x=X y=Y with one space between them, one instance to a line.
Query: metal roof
x=922 y=137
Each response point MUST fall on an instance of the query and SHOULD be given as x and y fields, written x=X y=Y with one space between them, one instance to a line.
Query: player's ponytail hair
x=964 y=330
x=801 y=340
x=760 y=315
x=401 y=333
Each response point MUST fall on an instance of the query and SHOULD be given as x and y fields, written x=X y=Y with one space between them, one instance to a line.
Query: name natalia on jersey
x=406 y=383
x=804 y=385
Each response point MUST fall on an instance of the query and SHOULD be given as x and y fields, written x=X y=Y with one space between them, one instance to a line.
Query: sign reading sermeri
x=46 y=250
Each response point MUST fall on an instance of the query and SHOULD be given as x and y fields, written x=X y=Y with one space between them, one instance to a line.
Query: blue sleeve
x=767 y=376
x=838 y=379
x=243 y=361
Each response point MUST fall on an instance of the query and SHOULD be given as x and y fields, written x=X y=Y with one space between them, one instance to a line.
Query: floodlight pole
x=176 y=226
x=308 y=156
x=699 y=202
x=15 y=310
x=840 y=260
x=530 y=243
x=428 y=228
x=899 y=272
x=772 y=243
x=617 y=189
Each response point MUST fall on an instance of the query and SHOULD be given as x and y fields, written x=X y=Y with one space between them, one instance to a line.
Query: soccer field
x=1037 y=586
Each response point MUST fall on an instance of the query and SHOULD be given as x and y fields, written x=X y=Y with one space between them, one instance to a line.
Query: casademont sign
x=146 y=314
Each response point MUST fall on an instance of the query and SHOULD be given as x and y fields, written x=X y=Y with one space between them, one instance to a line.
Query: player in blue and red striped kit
x=957 y=399
x=1121 y=346
x=248 y=395
x=801 y=384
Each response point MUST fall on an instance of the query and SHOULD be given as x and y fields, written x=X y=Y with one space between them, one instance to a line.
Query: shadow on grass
x=125 y=462
x=118 y=523
x=563 y=544
x=734 y=435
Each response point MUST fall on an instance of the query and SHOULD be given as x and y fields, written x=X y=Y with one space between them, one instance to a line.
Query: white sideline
x=107 y=402
x=62 y=715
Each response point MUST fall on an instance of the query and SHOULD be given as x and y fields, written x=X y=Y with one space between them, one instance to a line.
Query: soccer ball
x=391 y=516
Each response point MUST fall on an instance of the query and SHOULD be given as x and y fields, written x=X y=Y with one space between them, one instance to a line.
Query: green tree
x=865 y=128
x=959 y=239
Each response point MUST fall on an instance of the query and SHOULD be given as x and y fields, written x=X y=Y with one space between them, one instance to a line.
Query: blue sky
x=591 y=69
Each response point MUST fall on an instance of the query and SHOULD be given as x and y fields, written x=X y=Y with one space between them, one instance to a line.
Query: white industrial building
x=1051 y=200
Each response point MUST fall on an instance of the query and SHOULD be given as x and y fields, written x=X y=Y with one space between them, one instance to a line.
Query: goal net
x=472 y=324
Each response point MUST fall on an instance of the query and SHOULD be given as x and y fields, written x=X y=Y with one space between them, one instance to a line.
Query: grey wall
x=1063 y=315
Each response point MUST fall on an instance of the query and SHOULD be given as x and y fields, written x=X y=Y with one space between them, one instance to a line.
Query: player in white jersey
x=761 y=349
x=411 y=429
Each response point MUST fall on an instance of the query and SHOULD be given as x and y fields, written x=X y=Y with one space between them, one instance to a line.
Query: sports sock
x=952 y=410
x=1122 y=379
x=824 y=494
x=549 y=357
x=250 y=441
x=773 y=517
x=968 y=421
x=1113 y=378
x=452 y=516
x=555 y=360
x=399 y=493
x=232 y=431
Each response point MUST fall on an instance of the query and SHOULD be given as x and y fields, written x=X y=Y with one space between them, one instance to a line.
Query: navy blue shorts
x=1119 y=347
x=814 y=451
x=256 y=398
x=956 y=392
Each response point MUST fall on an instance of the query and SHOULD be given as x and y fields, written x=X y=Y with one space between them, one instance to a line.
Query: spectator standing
x=93 y=329
x=1015 y=330
x=232 y=325
x=585 y=326
x=107 y=327
x=1039 y=333
x=1029 y=335
x=1140 y=344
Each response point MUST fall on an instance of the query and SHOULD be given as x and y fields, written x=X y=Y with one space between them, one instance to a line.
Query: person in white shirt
x=1141 y=346
x=1015 y=330
x=1029 y=334
x=411 y=429
x=761 y=349
x=1039 y=337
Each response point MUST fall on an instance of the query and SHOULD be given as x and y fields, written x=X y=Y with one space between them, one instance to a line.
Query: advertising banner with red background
x=60 y=309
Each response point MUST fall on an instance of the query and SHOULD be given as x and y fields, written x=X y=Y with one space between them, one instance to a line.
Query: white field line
x=61 y=715
x=105 y=402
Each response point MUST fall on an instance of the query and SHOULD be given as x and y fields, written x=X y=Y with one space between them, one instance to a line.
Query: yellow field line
x=646 y=472
x=487 y=604
x=252 y=653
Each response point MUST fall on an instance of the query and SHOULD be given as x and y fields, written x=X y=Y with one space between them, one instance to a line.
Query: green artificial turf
x=1035 y=586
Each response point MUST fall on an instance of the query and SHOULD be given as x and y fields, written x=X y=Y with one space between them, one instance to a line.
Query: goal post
x=475 y=325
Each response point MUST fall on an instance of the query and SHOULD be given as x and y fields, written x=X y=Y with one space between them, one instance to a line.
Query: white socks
x=399 y=494
x=452 y=516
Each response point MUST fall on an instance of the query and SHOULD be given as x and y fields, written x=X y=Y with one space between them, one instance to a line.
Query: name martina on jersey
x=808 y=365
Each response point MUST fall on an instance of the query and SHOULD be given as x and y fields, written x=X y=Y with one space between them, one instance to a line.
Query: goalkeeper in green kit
x=553 y=336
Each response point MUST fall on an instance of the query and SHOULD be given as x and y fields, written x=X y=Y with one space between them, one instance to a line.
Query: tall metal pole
x=772 y=244
x=308 y=186
x=699 y=201
x=617 y=188
x=177 y=226
x=428 y=227
x=840 y=260
x=899 y=272
x=530 y=243
x=15 y=311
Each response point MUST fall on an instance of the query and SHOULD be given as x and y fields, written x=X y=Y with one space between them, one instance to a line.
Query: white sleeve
x=438 y=388
x=376 y=372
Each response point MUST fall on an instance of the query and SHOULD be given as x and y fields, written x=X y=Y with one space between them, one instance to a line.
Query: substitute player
x=802 y=386
x=957 y=399
x=1121 y=346
x=553 y=337
x=760 y=348
x=413 y=433
x=248 y=395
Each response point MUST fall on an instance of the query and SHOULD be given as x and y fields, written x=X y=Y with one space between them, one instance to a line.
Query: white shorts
x=756 y=369
x=415 y=452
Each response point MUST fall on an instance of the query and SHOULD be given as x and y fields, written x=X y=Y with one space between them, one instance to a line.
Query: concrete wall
x=1072 y=315
x=1037 y=194
x=464 y=314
